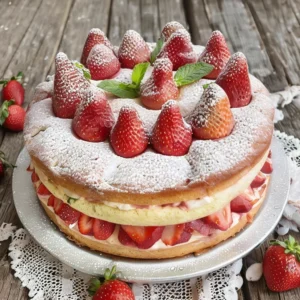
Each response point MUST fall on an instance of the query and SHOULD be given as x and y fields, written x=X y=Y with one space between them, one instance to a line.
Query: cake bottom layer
x=113 y=246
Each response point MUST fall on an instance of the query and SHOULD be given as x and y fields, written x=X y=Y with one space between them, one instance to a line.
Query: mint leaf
x=156 y=50
x=4 y=110
x=138 y=73
x=119 y=89
x=190 y=73
x=85 y=71
x=205 y=86
x=71 y=200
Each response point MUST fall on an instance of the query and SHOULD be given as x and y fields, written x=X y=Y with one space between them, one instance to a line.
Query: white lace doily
x=48 y=279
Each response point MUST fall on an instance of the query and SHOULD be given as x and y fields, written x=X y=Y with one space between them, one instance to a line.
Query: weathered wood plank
x=84 y=16
x=258 y=290
x=234 y=20
x=13 y=26
x=278 y=23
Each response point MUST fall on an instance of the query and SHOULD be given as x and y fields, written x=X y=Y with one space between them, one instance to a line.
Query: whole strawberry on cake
x=151 y=151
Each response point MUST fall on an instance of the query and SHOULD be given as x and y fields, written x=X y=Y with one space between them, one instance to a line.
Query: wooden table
x=33 y=31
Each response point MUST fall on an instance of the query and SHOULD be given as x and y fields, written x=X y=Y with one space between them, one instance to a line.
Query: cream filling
x=154 y=215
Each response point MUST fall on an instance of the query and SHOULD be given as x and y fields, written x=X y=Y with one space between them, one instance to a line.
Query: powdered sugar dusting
x=96 y=166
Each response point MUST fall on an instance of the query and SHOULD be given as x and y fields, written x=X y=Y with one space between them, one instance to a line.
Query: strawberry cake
x=151 y=150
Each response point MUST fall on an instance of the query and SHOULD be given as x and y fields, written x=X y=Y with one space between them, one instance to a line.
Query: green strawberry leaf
x=190 y=73
x=120 y=89
x=85 y=71
x=4 y=113
x=94 y=285
x=138 y=73
x=156 y=50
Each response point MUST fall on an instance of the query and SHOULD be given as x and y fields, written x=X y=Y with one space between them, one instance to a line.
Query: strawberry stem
x=290 y=245
x=5 y=162
x=4 y=113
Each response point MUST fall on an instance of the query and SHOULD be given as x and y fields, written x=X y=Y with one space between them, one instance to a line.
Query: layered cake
x=151 y=151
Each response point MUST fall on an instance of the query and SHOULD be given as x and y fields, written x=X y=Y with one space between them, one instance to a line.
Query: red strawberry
x=179 y=49
x=43 y=191
x=34 y=177
x=221 y=219
x=144 y=236
x=69 y=87
x=212 y=117
x=93 y=118
x=171 y=135
x=51 y=201
x=258 y=181
x=241 y=204
x=68 y=214
x=160 y=86
x=58 y=204
x=125 y=239
x=12 y=116
x=216 y=53
x=85 y=224
x=201 y=227
x=128 y=137
x=281 y=266
x=102 y=229
x=95 y=37
x=267 y=167
x=102 y=63
x=133 y=50
x=172 y=234
x=13 y=89
x=111 y=289
x=4 y=164
x=234 y=79
x=170 y=28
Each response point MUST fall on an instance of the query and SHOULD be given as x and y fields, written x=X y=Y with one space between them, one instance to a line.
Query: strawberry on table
x=179 y=49
x=111 y=288
x=281 y=265
x=212 y=117
x=93 y=119
x=235 y=81
x=133 y=50
x=13 y=89
x=4 y=164
x=171 y=135
x=128 y=137
x=102 y=229
x=69 y=87
x=221 y=219
x=170 y=28
x=216 y=53
x=12 y=116
x=102 y=62
x=95 y=37
x=160 y=86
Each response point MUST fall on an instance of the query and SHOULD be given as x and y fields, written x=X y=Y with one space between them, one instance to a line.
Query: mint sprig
x=70 y=199
x=4 y=113
x=85 y=71
x=156 y=50
x=126 y=90
x=190 y=73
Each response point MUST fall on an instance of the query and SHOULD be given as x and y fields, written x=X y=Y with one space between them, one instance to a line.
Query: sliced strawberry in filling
x=221 y=219
x=125 y=239
x=241 y=204
x=172 y=234
x=29 y=168
x=85 y=224
x=200 y=226
x=267 y=167
x=34 y=177
x=68 y=214
x=51 y=200
x=43 y=191
x=57 y=205
x=144 y=236
x=102 y=229
x=258 y=181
